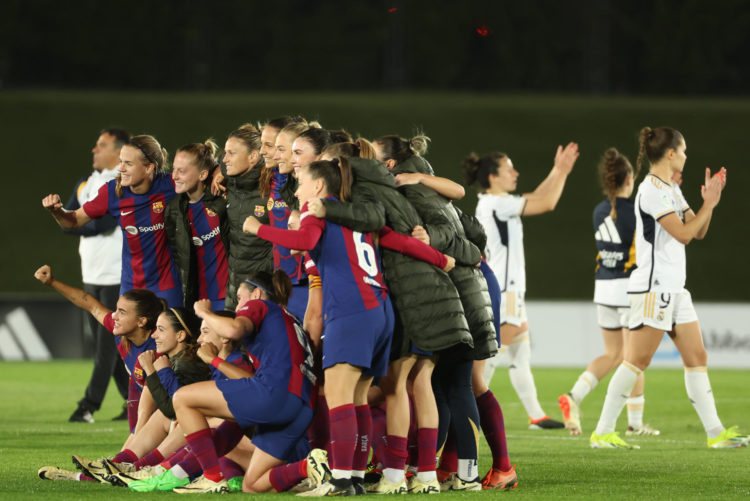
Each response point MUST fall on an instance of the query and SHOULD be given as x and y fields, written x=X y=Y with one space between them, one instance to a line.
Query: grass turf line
x=39 y=397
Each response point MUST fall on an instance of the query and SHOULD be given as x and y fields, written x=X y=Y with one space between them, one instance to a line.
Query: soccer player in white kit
x=614 y=232
x=659 y=301
x=500 y=214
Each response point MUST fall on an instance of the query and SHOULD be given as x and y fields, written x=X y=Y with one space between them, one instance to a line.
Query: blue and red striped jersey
x=147 y=262
x=278 y=217
x=348 y=262
x=279 y=360
x=209 y=249
x=129 y=352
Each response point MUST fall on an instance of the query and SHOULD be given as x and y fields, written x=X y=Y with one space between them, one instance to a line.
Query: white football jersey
x=660 y=258
x=500 y=216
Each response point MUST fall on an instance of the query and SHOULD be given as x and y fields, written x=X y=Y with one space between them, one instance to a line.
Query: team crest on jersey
x=210 y=213
x=158 y=207
x=259 y=211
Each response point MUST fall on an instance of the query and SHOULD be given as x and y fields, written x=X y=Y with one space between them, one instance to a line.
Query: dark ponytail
x=336 y=174
x=654 y=144
x=614 y=169
x=276 y=286
x=478 y=169
x=399 y=149
x=318 y=138
x=361 y=148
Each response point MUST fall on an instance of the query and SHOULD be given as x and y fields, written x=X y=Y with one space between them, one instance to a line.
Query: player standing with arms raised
x=500 y=214
x=659 y=301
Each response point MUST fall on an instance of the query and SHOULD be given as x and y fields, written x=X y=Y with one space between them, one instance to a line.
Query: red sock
x=427 y=442
x=364 y=430
x=175 y=458
x=226 y=437
x=343 y=436
x=229 y=468
x=395 y=452
x=493 y=426
x=190 y=465
x=125 y=456
x=378 y=433
x=449 y=457
x=319 y=431
x=287 y=476
x=203 y=449
x=85 y=478
x=152 y=458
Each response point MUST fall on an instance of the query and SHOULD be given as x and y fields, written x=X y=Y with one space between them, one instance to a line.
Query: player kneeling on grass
x=276 y=400
x=132 y=324
x=227 y=362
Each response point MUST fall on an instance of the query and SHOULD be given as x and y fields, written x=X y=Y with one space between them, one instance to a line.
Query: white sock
x=393 y=475
x=358 y=474
x=468 y=469
x=521 y=377
x=335 y=473
x=178 y=472
x=635 y=411
x=493 y=363
x=619 y=388
x=585 y=384
x=699 y=391
x=427 y=476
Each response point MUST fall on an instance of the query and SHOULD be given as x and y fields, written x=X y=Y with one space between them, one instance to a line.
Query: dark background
x=519 y=77
x=599 y=46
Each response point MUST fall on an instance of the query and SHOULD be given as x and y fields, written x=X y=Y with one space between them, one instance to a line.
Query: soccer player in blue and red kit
x=276 y=400
x=357 y=316
x=278 y=185
x=197 y=226
x=132 y=324
x=137 y=199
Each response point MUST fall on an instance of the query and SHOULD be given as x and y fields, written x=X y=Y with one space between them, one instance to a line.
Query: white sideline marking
x=585 y=438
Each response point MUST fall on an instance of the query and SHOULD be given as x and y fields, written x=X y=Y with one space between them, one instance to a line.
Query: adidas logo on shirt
x=607 y=232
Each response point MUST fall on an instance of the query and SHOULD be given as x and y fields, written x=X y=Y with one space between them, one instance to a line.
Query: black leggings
x=457 y=407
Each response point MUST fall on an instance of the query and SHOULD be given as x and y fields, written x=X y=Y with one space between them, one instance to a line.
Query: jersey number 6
x=365 y=254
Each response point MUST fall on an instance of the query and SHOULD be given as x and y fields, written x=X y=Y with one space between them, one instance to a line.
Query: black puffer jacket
x=247 y=253
x=428 y=309
x=180 y=238
x=447 y=235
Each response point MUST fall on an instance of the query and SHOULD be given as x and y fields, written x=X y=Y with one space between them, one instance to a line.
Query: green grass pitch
x=37 y=399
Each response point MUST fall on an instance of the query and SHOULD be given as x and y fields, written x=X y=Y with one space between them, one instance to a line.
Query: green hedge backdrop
x=47 y=136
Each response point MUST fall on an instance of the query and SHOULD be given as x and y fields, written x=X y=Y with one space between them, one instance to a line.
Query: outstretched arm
x=415 y=249
x=76 y=296
x=444 y=186
x=230 y=328
x=210 y=356
x=310 y=230
x=545 y=197
x=69 y=220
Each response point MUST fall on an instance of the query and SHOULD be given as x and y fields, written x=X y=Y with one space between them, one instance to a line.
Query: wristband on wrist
x=216 y=361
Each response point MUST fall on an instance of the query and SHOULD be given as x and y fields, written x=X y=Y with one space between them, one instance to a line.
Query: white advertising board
x=565 y=334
